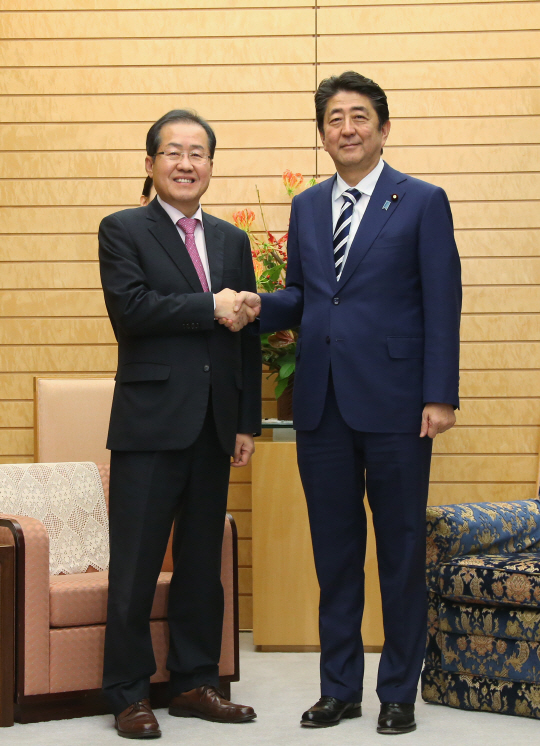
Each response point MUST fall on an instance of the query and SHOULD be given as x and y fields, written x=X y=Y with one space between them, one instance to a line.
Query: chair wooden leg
x=7 y=635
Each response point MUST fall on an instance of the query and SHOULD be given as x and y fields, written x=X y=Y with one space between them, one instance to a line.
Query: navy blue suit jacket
x=389 y=329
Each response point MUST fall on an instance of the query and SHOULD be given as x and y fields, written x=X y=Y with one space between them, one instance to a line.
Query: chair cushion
x=497 y=579
x=496 y=621
x=480 y=528
x=516 y=660
x=468 y=692
x=81 y=600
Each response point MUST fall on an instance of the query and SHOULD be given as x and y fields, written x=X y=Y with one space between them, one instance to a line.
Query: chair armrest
x=32 y=607
x=229 y=663
x=479 y=528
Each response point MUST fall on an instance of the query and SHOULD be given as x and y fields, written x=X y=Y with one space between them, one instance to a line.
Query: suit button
x=327 y=340
x=335 y=301
x=206 y=368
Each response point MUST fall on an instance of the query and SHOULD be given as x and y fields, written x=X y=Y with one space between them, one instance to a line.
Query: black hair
x=147 y=187
x=350 y=81
x=153 y=138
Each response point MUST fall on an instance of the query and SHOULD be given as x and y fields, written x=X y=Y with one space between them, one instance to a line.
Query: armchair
x=483 y=576
x=55 y=516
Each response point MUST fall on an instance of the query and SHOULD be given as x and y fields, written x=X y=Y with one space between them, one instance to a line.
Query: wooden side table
x=285 y=589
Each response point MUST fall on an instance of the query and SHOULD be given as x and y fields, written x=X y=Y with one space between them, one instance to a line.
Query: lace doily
x=68 y=499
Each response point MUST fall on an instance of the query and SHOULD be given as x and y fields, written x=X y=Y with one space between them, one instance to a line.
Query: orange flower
x=292 y=182
x=243 y=219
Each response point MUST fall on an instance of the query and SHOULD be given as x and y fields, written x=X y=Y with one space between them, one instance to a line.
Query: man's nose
x=184 y=163
x=348 y=128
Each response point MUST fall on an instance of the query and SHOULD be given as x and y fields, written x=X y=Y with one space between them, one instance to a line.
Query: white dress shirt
x=200 y=242
x=366 y=186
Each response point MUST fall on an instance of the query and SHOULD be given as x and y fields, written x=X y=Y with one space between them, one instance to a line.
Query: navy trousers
x=337 y=465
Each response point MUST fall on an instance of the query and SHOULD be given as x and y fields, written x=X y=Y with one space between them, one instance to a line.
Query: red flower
x=281 y=339
x=243 y=219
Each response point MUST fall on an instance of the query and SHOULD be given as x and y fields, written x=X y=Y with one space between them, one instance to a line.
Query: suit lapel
x=322 y=209
x=215 y=249
x=390 y=182
x=166 y=233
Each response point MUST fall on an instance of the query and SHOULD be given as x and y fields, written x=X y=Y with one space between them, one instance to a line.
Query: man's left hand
x=245 y=446
x=436 y=418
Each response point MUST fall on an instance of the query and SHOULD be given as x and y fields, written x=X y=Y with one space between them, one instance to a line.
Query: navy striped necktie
x=343 y=226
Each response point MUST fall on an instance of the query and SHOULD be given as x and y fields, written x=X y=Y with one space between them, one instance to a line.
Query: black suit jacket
x=170 y=348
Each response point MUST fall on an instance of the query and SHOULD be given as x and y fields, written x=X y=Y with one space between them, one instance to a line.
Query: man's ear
x=385 y=129
x=321 y=135
x=149 y=165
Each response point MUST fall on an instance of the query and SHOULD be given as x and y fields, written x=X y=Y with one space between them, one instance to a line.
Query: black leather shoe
x=396 y=718
x=329 y=711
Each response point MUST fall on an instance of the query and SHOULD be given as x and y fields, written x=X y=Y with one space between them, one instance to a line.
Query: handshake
x=235 y=310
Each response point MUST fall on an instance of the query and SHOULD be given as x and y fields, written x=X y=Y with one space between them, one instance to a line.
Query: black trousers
x=336 y=465
x=148 y=491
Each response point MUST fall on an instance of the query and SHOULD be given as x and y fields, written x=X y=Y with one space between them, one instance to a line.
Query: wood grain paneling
x=52 y=303
x=99 y=136
x=498 y=243
x=429 y=18
x=168 y=24
x=487 y=440
x=502 y=411
x=87 y=219
x=498 y=327
x=501 y=299
x=95 y=165
x=16 y=414
x=57 y=331
x=33 y=275
x=462 y=74
x=401 y=48
x=484 y=468
x=84 y=79
x=189 y=79
x=150 y=107
x=501 y=383
x=199 y=51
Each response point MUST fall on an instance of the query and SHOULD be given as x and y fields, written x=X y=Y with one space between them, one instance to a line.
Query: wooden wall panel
x=462 y=82
x=72 y=134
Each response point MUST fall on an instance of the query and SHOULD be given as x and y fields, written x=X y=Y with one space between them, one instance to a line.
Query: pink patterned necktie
x=188 y=225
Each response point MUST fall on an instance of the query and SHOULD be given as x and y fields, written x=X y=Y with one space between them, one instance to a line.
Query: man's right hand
x=225 y=301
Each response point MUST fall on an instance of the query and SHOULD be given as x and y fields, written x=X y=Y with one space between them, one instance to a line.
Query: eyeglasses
x=174 y=156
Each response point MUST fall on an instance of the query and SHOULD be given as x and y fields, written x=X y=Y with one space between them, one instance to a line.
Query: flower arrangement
x=270 y=263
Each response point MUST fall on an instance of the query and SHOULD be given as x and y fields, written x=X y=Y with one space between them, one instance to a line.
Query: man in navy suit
x=373 y=281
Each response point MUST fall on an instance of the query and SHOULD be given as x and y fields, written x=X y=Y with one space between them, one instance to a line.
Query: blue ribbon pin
x=386 y=205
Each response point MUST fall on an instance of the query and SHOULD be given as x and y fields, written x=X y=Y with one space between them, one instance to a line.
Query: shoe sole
x=347 y=715
x=139 y=735
x=178 y=713
x=396 y=731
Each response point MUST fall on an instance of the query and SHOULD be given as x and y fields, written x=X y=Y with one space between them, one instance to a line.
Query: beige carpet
x=280 y=686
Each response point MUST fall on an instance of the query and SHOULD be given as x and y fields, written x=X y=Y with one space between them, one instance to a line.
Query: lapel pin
x=395 y=198
x=386 y=205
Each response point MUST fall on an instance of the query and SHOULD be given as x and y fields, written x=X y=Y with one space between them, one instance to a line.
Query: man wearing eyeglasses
x=187 y=398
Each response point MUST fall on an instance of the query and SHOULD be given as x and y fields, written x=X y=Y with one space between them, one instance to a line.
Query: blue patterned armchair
x=483 y=574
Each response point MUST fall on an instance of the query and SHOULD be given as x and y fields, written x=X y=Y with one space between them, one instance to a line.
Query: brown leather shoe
x=138 y=721
x=208 y=703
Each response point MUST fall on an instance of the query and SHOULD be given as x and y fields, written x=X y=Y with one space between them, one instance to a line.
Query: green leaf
x=280 y=387
x=286 y=370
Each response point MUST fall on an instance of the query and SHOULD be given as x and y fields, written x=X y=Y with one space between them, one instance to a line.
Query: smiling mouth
x=184 y=181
